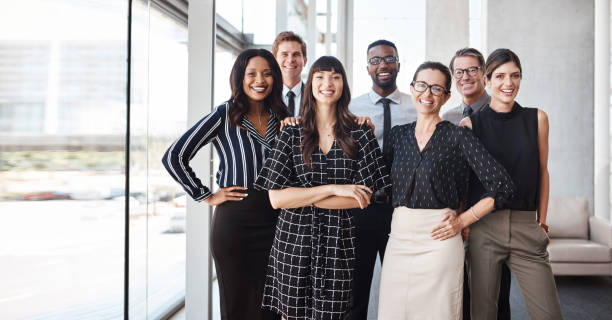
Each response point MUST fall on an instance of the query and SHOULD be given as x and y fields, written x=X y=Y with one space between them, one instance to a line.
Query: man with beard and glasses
x=467 y=67
x=386 y=106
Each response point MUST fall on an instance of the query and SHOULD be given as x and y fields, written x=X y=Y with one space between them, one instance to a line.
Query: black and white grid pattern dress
x=311 y=262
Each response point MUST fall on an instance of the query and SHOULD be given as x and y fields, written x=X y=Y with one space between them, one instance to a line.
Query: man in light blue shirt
x=386 y=106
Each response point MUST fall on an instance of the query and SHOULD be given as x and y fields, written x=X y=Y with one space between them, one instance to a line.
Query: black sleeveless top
x=512 y=139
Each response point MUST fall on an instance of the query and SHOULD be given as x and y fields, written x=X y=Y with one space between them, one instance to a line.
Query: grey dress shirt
x=368 y=105
x=297 y=90
x=455 y=115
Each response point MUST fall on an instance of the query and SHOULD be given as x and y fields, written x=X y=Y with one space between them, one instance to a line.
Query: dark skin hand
x=226 y=194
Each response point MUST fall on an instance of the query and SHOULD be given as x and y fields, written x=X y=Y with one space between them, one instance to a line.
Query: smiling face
x=291 y=61
x=258 y=79
x=469 y=86
x=383 y=75
x=505 y=82
x=327 y=86
x=425 y=102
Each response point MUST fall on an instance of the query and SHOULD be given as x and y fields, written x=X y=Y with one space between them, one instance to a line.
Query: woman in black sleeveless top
x=517 y=233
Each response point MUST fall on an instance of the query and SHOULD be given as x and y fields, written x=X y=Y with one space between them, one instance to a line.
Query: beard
x=385 y=84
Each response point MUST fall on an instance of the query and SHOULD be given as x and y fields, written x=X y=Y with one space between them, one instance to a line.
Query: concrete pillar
x=312 y=33
x=201 y=48
x=328 y=32
x=344 y=37
x=557 y=61
x=602 y=109
x=281 y=16
x=447 y=30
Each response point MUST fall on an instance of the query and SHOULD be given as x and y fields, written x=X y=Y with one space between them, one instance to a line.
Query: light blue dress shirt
x=368 y=105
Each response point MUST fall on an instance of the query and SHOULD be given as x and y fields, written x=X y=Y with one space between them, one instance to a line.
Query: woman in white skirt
x=422 y=277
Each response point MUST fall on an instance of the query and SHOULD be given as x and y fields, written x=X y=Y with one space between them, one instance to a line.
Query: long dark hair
x=345 y=121
x=240 y=101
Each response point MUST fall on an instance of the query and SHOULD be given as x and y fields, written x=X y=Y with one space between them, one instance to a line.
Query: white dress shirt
x=297 y=90
x=368 y=105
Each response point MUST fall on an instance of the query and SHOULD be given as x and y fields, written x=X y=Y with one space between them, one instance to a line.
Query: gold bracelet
x=474 y=214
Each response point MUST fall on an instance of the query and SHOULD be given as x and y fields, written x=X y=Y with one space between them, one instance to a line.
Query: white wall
x=554 y=40
x=447 y=31
x=399 y=21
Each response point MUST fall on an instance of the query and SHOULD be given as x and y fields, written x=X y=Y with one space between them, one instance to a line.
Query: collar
x=271 y=129
x=395 y=96
x=297 y=89
x=484 y=99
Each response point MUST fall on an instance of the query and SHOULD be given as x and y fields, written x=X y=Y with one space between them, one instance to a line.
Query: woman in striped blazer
x=241 y=130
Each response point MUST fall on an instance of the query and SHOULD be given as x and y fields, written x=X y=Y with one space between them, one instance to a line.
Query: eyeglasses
x=377 y=60
x=421 y=86
x=458 y=73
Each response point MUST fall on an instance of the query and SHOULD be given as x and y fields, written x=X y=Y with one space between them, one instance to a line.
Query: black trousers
x=373 y=225
x=241 y=239
x=503 y=303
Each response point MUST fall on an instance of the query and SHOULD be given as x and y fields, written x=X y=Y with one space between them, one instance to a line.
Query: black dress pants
x=503 y=303
x=372 y=227
x=241 y=239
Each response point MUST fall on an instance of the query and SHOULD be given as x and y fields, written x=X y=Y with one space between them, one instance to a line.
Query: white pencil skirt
x=421 y=278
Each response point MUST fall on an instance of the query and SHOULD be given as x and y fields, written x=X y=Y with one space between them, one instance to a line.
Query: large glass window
x=158 y=117
x=63 y=124
x=62 y=105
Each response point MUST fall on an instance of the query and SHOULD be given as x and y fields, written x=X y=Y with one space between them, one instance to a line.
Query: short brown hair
x=468 y=52
x=499 y=57
x=288 y=36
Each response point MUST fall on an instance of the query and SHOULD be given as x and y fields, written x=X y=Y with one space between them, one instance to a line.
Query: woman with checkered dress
x=315 y=173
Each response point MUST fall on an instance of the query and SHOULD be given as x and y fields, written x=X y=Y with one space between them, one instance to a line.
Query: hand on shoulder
x=466 y=122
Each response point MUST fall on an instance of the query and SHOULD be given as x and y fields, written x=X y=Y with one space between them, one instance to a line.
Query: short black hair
x=382 y=42
x=433 y=65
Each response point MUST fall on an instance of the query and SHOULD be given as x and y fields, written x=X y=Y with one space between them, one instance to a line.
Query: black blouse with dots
x=437 y=177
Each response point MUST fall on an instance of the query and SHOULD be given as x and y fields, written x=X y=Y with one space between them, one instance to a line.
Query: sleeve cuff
x=205 y=195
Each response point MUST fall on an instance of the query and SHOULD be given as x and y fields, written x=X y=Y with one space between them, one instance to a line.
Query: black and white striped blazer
x=242 y=152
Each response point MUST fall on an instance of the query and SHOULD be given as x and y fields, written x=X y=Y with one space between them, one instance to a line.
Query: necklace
x=258 y=118
x=328 y=132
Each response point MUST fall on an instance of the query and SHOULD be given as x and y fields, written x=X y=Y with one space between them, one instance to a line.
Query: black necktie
x=291 y=106
x=387 y=123
x=467 y=111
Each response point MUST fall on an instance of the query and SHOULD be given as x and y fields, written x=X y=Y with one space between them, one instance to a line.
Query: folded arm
x=328 y=197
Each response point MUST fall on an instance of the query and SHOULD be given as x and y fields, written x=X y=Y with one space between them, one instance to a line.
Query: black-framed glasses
x=422 y=86
x=472 y=71
x=377 y=60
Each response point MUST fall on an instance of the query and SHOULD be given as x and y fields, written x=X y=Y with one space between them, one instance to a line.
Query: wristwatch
x=544 y=226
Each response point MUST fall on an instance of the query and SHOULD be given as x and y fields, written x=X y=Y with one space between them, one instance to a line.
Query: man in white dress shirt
x=290 y=52
x=386 y=106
